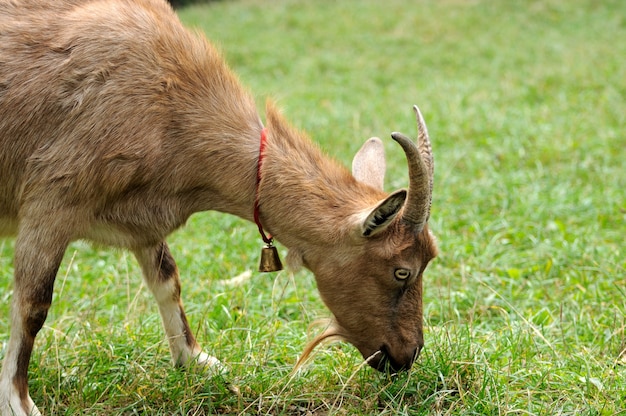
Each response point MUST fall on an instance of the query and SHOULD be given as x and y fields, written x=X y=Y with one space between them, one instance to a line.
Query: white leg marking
x=178 y=332
x=161 y=276
x=10 y=402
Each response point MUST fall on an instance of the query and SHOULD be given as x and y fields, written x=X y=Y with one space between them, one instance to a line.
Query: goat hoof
x=211 y=365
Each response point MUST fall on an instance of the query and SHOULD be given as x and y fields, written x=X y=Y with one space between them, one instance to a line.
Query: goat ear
x=368 y=165
x=383 y=214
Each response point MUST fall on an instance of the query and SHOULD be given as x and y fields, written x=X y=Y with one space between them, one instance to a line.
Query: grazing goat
x=117 y=124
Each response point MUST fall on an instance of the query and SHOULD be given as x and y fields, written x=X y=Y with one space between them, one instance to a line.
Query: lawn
x=525 y=306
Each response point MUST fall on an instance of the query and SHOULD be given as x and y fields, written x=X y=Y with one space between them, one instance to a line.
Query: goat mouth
x=382 y=361
x=377 y=360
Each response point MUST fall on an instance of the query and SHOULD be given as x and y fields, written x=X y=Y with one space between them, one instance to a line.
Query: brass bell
x=270 y=261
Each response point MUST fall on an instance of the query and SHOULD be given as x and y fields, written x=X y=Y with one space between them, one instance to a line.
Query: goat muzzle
x=384 y=361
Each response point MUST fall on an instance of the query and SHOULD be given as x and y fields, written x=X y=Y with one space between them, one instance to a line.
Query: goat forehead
x=402 y=246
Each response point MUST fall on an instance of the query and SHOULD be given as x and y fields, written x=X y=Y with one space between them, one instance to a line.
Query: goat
x=117 y=124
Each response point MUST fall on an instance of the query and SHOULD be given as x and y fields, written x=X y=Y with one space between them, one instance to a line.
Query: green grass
x=525 y=306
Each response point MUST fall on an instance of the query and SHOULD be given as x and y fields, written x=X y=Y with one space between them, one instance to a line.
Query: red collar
x=267 y=238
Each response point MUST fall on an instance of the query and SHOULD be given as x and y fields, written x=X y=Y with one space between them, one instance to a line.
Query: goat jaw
x=421 y=169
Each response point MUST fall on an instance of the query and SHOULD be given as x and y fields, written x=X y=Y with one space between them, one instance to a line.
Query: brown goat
x=117 y=124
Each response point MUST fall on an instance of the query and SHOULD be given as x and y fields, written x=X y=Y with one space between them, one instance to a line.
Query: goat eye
x=402 y=274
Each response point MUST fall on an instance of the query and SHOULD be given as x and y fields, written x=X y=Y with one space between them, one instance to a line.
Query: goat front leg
x=38 y=254
x=161 y=275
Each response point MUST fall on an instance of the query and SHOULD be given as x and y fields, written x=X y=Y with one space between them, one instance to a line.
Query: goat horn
x=421 y=169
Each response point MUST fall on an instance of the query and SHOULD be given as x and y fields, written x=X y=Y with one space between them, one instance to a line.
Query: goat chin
x=332 y=333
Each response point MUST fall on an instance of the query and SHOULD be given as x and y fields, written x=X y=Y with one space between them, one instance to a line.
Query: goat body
x=117 y=124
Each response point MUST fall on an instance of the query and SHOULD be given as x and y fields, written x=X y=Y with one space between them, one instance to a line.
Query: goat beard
x=332 y=333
